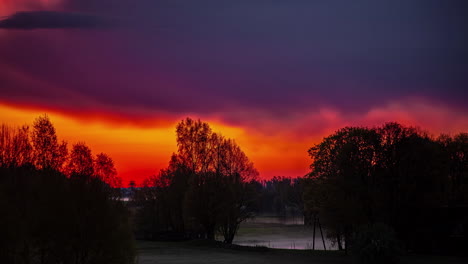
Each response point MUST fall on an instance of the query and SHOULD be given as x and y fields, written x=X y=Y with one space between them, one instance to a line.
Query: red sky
x=277 y=149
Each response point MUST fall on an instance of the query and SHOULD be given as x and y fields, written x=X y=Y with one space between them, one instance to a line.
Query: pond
x=280 y=232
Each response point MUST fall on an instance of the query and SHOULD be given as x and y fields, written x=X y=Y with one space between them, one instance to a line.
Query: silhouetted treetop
x=392 y=174
x=202 y=150
x=15 y=146
x=81 y=160
x=206 y=187
x=56 y=213
x=104 y=168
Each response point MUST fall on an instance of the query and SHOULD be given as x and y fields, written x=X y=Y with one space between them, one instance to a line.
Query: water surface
x=280 y=232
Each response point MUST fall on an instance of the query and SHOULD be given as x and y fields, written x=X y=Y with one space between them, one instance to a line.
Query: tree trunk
x=346 y=241
x=231 y=232
x=210 y=233
x=338 y=241
x=229 y=239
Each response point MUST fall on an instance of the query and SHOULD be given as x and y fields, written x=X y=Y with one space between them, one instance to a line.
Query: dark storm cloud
x=52 y=20
x=279 y=56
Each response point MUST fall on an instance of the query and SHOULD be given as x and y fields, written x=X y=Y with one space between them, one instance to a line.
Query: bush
x=375 y=243
x=50 y=218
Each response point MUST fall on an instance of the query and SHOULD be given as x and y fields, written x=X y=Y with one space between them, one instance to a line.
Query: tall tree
x=104 y=168
x=206 y=177
x=389 y=174
x=81 y=160
x=193 y=142
x=53 y=218
x=344 y=164
x=238 y=198
x=45 y=143
x=217 y=196
x=456 y=148
x=15 y=146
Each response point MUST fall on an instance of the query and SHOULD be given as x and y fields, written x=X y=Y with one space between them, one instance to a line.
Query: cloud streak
x=29 y=20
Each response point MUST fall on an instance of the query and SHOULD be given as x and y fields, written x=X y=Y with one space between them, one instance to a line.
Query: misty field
x=261 y=240
x=208 y=252
x=282 y=233
x=280 y=236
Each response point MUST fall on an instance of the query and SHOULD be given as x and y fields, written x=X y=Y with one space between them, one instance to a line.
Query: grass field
x=276 y=235
x=192 y=252
x=263 y=233
x=206 y=252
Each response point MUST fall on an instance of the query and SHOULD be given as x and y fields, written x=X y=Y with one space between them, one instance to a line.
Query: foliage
x=81 y=160
x=280 y=196
x=104 y=168
x=343 y=170
x=55 y=219
x=375 y=243
x=15 y=146
x=204 y=189
x=48 y=153
x=386 y=174
x=456 y=148
x=52 y=217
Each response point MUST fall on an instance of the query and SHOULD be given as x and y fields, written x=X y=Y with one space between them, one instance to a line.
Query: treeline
x=280 y=196
x=59 y=206
x=41 y=149
x=396 y=175
x=206 y=189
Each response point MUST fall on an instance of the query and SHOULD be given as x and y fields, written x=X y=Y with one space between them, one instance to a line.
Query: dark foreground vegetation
x=59 y=207
x=375 y=185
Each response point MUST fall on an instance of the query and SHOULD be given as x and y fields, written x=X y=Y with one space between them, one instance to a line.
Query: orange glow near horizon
x=141 y=151
x=137 y=152
x=276 y=148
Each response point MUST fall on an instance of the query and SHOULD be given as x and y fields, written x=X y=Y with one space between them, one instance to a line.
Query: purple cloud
x=28 y=20
x=222 y=57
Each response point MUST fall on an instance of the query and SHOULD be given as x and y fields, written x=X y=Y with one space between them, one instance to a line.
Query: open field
x=264 y=232
x=192 y=252
x=205 y=252
x=283 y=240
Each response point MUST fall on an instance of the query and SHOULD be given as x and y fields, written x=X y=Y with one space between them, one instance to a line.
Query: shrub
x=375 y=243
x=49 y=218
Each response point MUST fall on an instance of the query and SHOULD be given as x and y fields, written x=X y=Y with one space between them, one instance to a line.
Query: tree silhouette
x=81 y=160
x=391 y=174
x=15 y=146
x=205 y=185
x=48 y=153
x=217 y=196
x=345 y=164
x=456 y=149
x=194 y=142
x=53 y=218
x=104 y=169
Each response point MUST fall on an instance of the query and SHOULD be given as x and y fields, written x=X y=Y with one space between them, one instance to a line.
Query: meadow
x=197 y=252
x=280 y=233
x=214 y=252
x=260 y=241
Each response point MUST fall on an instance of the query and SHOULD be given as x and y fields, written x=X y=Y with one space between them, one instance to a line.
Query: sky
x=276 y=75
